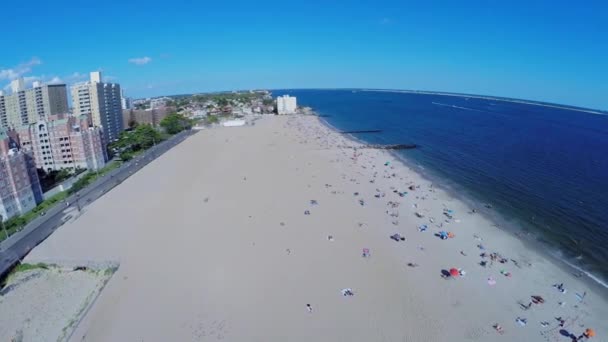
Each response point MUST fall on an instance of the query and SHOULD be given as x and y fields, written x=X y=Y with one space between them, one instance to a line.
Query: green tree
x=63 y=175
x=175 y=123
x=140 y=138
x=145 y=136
x=210 y=119
x=222 y=101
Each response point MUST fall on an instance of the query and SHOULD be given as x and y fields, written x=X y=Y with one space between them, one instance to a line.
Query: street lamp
x=78 y=201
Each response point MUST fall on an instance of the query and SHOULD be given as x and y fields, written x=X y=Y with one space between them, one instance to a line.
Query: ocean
x=543 y=170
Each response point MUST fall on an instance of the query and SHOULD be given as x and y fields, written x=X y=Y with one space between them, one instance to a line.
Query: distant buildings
x=145 y=116
x=64 y=143
x=158 y=102
x=20 y=189
x=25 y=106
x=286 y=104
x=125 y=102
x=101 y=102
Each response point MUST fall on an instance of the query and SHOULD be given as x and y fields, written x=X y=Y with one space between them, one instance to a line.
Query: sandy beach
x=229 y=235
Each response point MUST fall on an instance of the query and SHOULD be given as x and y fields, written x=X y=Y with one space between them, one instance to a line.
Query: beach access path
x=214 y=244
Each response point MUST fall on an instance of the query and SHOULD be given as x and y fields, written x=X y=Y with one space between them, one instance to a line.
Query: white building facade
x=25 y=106
x=286 y=105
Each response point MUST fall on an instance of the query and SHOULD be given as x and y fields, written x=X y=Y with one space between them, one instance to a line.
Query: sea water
x=544 y=169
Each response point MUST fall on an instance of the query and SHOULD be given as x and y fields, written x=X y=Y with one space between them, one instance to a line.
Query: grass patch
x=22 y=267
x=91 y=176
x=27 y=267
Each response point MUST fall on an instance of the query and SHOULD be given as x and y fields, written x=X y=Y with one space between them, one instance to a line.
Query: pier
x=391 y=146
x=384 y=147
x=362 y=131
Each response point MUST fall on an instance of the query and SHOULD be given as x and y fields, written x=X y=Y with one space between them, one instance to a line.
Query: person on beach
x=526 y=307
x=589 y=333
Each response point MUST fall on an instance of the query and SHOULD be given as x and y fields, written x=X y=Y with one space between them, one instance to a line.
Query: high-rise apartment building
x=20 y=189
x=64 y=142
x=101 y=102
x=286 y=104
x=126 y=102
x=25 y=106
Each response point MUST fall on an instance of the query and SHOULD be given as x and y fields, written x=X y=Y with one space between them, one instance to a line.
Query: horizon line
x=427 y=92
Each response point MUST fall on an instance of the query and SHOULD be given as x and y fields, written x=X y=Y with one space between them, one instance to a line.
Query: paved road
x=19 y=244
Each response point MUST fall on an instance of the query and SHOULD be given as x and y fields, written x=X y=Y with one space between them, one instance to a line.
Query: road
x=18 y=245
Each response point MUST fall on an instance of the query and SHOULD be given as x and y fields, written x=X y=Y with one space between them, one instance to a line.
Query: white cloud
x=19 y=70
x=55 y=80
x=140 y=60
x=75 y=77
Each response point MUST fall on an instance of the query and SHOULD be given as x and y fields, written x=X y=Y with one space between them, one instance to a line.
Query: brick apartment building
x=64 y=142
x=20 y=189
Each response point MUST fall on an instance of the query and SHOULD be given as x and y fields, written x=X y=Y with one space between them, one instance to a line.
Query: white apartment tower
x=126 y=102
x=286 y=104
x=25 y=106
x=101 y=102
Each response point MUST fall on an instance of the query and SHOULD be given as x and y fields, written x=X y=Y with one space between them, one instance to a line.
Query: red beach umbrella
x=454 y=272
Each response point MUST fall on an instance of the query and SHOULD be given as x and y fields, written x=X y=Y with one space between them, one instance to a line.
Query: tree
x=175 y=123
x=3 y=227
x=211 y=119
x=222 y=101
x=145 y=136
x=140 y=138
x=63 y=175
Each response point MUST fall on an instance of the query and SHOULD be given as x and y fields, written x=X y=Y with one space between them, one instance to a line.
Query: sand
x=214 y=244
x=47 y=304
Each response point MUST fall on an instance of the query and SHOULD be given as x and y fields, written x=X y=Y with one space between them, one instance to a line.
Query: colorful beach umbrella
x=454 y=272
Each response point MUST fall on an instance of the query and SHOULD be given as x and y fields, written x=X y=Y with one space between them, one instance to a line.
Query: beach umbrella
x=454 y=272
x=590 y=332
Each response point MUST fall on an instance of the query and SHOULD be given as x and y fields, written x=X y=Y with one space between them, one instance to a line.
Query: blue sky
x=554 y=51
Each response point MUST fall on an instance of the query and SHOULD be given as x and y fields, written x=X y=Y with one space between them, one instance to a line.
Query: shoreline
x=509 y=225
x=504 y=227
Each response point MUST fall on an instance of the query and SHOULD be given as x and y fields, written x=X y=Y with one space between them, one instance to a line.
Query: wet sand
x=214 y=244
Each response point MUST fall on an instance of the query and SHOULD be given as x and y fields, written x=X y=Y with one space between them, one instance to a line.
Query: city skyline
x=545 y=52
